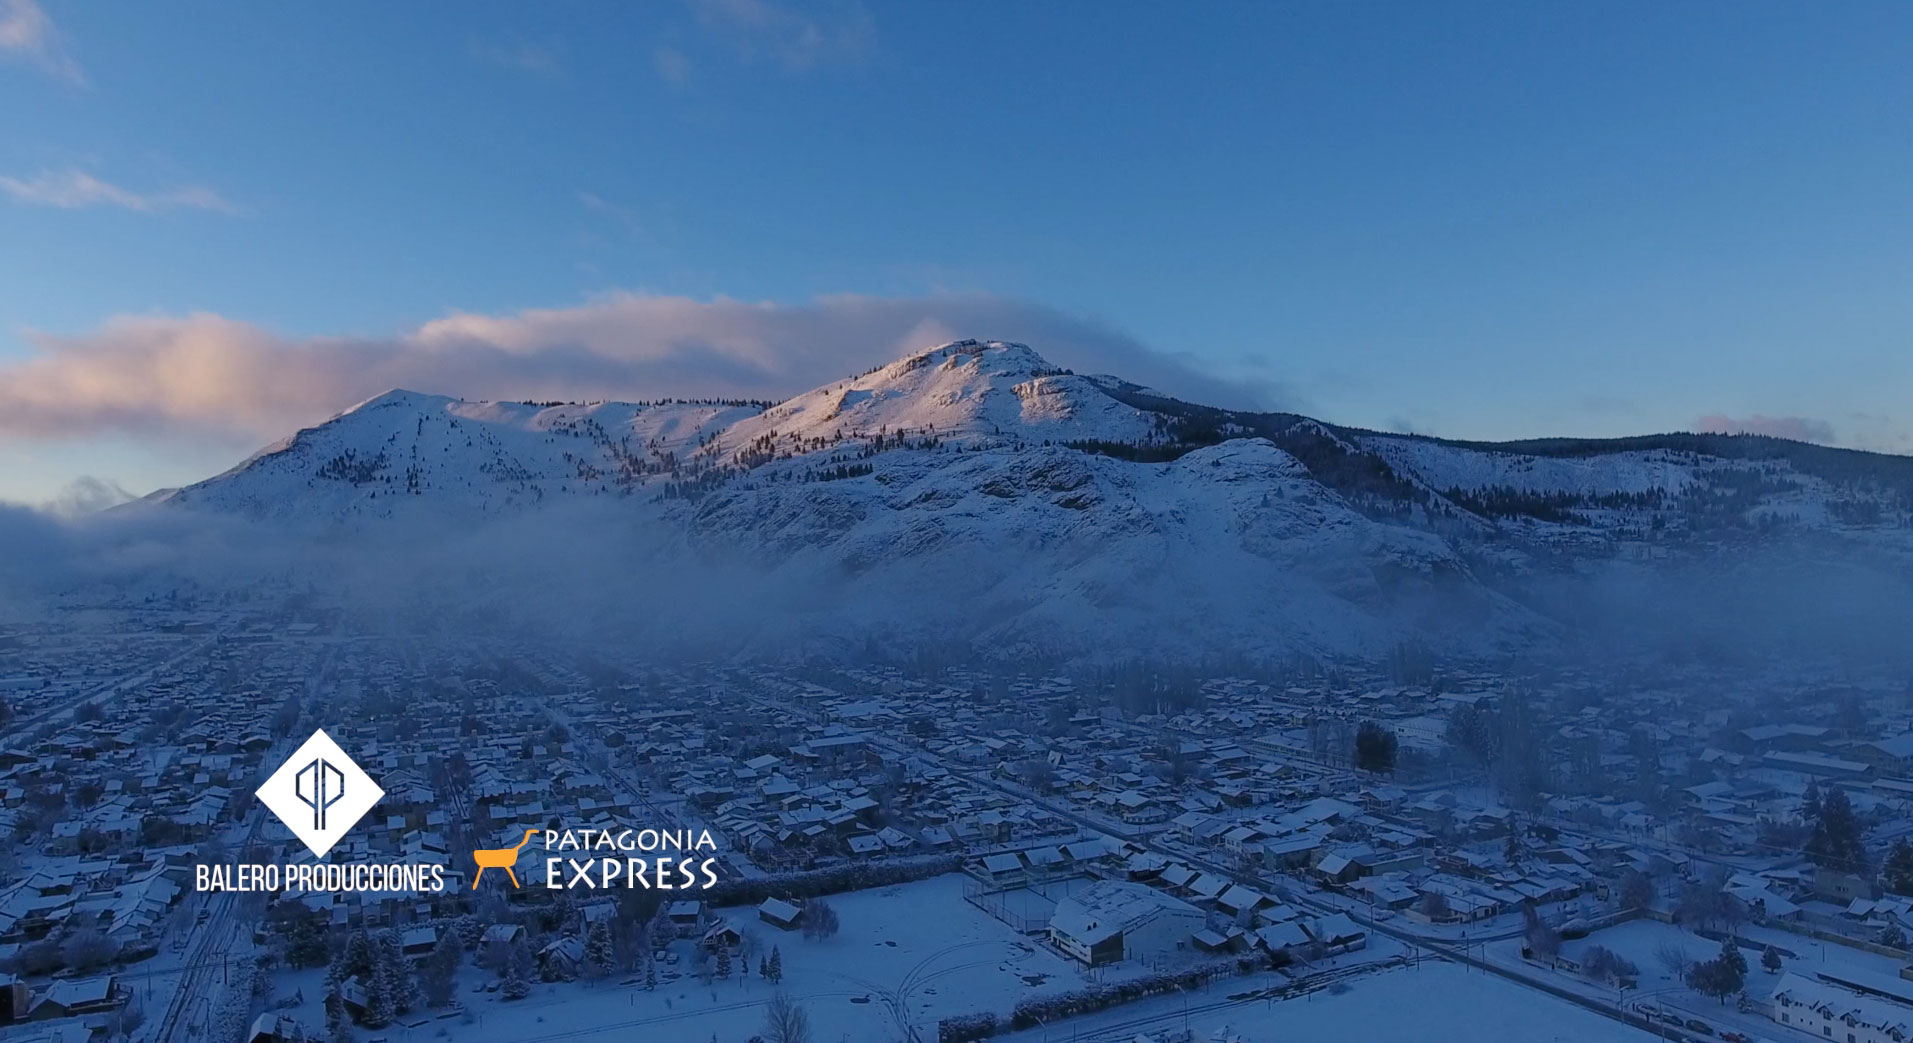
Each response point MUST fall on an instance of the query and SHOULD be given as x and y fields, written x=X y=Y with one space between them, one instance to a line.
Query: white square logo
x=319 y=793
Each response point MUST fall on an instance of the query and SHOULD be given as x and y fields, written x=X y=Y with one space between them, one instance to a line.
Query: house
x=1842 y=887
x=1137 y=809
x=1893 y=757
x=352 y=998
x=498 y=939
x=1390 y=892
x=684 y=916
x=273 y=1027
x=779 y=914
x=1238 y=900
x=501 y=934
x=1287 y=937
x=1177 y=876
x=1816 y=764
x=1794 y=737
x=1342 y=866
x=72 y=999
x=1337 y=933
x=721 y=935
x=1829 y=1012
x=1113 y=920
x=1003 y=869
x=418 y=941
x=559 y=960
x=1209 y=886
x=1229 y=939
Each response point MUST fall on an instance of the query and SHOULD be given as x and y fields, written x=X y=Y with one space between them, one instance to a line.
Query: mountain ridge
x=1057 y=511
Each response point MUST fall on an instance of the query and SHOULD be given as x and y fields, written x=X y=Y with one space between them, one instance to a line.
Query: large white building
x=1110 y=921
x=1831 y=1012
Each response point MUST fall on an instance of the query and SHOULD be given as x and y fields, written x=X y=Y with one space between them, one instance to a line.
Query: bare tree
x=1674 y=960
x=785 y=1021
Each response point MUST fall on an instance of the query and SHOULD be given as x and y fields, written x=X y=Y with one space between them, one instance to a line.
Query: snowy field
x=920 y=946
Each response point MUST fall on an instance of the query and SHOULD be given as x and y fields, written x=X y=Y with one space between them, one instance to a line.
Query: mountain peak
x=994 y=356
x=399 y=397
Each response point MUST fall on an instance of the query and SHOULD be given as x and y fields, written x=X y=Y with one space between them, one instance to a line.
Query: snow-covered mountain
x=976 y=492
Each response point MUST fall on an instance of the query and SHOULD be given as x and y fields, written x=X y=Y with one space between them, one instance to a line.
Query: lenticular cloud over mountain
x=205 y=374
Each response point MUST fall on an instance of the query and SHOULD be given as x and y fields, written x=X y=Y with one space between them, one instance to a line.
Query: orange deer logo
x=500 y=858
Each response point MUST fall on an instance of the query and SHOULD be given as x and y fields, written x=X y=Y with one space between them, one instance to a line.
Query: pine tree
x=517 y=973
x=763 y=968
x=1810 y=805
x=356 y=962
x=379 y=1006
x=305 y=941
x=1898 y=870
x=389 y=960
x=436 y=978
x=1837 y=842
x=1730 y=954
x=598 y=957
x=334 y=1013
x=776 y=969
x=627 y=943
x=339 y=1029
x=1771 y=960
x=650 y=971
x=723 y=960
x=1719 y=978
x=1375 y=748
x=1541 y=939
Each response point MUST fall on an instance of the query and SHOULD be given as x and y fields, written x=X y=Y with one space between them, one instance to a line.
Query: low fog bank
x=583 y=572
x=1812 y=599
x=625 y=575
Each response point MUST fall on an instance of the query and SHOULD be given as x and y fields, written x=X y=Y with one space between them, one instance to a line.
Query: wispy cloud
x=520 y=57
x=208 y=375
x=78 y=190
x=797 y=39
x=28 y=35
x=1798 y=428
x=88 y=495
x=673 y=66
x=613 y=212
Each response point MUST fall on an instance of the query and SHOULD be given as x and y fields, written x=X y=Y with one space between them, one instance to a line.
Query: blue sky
x=1480 y=220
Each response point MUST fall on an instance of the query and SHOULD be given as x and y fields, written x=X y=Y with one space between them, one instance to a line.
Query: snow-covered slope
x=404 y=451
x=1444 y=467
